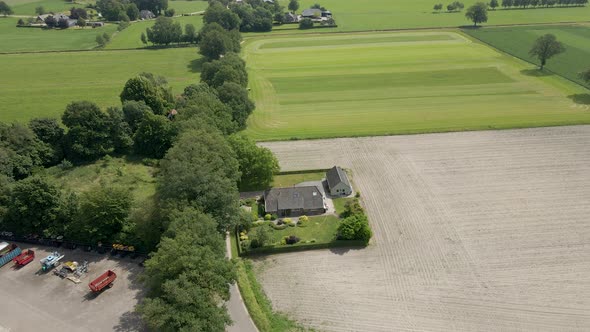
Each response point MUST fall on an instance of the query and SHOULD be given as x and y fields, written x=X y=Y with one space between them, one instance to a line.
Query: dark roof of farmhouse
x=335 y=176
x=292 y=198
x=311 y=12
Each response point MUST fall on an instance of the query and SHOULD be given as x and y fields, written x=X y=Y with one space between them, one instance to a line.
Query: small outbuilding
x=338 y=183
x=146 y=14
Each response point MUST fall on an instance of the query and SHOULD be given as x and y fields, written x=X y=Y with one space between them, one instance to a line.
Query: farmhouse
x=311 y=13
x=290 y=18
x=294 y=201
x=338 y=183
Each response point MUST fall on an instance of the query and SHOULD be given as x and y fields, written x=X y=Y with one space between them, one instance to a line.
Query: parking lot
x=32 y=300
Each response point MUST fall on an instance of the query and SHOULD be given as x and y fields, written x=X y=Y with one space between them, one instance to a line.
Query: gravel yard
x=31 y=300
x=474 y=231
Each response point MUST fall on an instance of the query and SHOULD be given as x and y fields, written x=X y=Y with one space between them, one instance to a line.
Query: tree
x=169 y=12
x=154 y=136
x=100 y=40
x=494 y=4
x=231 y=68
x=188 y=273
x=104 y=211
x=81 y=23
x=546 y=47
x=217 y=13
x=260 y=236
x=257 y=164
x=20 y=22
x=306 y=23
x=236 y=97
x=21 y=151
x=355 y=227
x=149 y=89
x=134 y=112
x=585 y=75
x=50 y=21
x=35 y=207
x=51 y=133
x=39 y=10
x=77 y=13
x=132 y=12
x=89 y=131
x=110 y=9
x=144 y=38
x=293 y=5
x=5 y=9
x=120 y=132
x=438 y=7
x=507 y=3
x=478 y=13
x=203 y=109
x=190 y=34
x=164 y=31
x=201 y=170
x=214 y=44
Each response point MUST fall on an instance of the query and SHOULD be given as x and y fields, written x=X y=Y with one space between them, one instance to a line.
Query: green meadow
x=187 y=7
x=518 y=41
x=13 y=39
x=353 y=87
x=43 y=84
x=400 y=14
x=27 y=7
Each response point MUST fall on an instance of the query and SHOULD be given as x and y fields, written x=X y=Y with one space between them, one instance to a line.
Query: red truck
x=24 y=258
x=104 y=280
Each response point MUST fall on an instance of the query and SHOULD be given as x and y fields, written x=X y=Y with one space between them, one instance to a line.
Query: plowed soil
x=475 y=231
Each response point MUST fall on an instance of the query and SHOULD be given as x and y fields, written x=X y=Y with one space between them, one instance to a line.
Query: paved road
x=236 y=307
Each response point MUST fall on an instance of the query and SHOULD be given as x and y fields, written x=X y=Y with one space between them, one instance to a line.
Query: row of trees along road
x=188 y=276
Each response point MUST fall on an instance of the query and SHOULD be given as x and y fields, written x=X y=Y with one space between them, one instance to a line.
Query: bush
x=291 y=239
x=281 y=222
x=355 y=227
x=358 y=194
x=305 y=24
x=273 y=217
x=169 y=12
x=65 y=165
x=278 y=227
x=267 y=216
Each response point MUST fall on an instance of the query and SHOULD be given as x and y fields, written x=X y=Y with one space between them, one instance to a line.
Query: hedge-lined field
x=397 y=87
x=519 y=40
x=43 y=84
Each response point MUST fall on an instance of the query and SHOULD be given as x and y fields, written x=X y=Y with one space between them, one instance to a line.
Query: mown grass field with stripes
x=518 y=41
x=397 y=83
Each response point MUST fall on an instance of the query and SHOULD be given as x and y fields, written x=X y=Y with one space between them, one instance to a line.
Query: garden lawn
x=339 y=204
x=366 y=84
x=519 y=40
x=289 y=180
x=37 y=85
x=131 y=37
x=320 y=229
x=126 y=173
x=354 y=15
x=15 y=39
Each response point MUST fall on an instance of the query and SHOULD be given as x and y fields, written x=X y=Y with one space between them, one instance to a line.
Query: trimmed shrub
x=291 y=239
x=267 y=216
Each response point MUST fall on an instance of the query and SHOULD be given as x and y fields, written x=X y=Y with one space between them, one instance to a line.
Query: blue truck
x=8 y=252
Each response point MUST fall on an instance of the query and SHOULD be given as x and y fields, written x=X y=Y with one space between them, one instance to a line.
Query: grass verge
x=259 y=306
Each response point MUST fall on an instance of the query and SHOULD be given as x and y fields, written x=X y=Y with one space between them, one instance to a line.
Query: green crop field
x=13 y=39
x=43 y=84
x=27 y=7
x=519 y=40
x=351 y=15
x=352 y=87
x=131 y=37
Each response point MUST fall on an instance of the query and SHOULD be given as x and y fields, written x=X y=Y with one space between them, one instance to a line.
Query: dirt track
x=473 y=231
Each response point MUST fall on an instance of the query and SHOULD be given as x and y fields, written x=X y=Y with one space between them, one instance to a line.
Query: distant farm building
x=294 y=201
x=338 y=183
x=146 y=15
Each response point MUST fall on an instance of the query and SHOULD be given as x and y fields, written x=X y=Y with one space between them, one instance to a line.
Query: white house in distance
x=338 y=183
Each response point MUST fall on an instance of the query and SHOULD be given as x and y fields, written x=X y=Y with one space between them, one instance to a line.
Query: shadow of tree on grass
x=536 y=72
x=195 y=65
x=580 y=98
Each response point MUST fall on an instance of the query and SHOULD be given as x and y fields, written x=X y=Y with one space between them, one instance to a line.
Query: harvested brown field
x=474 y=231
